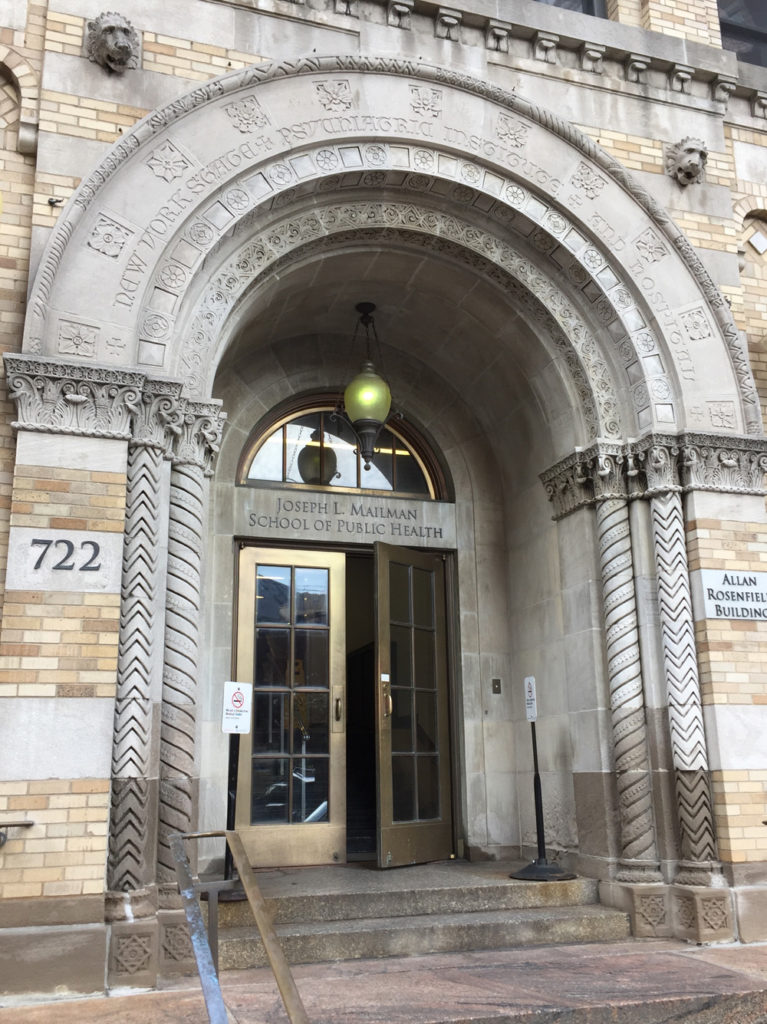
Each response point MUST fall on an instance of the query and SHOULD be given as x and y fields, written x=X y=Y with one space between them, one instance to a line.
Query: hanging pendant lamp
x=367 y=398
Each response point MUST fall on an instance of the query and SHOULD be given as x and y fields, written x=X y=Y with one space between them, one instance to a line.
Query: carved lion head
x=686 y=161
x=113 y=42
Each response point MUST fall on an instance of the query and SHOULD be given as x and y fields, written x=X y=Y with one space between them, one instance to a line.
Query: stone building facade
x=561 y=218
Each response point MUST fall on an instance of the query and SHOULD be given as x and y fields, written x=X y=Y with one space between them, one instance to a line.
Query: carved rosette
x=56 y=397
x=639 y=856
x=131 y=842
x=195 y=447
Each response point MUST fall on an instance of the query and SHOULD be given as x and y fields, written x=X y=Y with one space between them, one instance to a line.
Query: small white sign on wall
x=531 y=704
x=238 y=703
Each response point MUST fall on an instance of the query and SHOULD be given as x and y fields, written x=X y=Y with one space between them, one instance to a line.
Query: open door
x=291 y=795
x=412 y=727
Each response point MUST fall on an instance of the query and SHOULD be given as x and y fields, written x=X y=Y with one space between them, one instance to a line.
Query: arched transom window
x=315 y=447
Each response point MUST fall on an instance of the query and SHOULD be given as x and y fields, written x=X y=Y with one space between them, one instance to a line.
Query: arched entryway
x=524 y=330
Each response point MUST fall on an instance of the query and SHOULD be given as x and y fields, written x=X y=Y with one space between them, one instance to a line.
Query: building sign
x=728 y=594
x=237 y=706
x=344 y=518
x=85 y=561
x=531 y=702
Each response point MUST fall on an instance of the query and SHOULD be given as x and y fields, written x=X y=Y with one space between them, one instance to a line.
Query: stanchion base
x=542 y=871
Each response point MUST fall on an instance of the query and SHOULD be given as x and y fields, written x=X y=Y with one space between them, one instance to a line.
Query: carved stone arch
x=747 y=205
x=27 y=86
x=181 y=171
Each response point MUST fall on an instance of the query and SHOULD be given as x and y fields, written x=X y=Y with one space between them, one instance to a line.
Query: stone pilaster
x=639 y=856
x=133 y=832
x=698 y=864
x=196 y=444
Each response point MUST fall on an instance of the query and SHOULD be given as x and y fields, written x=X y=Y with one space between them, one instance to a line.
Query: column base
x=699 y=914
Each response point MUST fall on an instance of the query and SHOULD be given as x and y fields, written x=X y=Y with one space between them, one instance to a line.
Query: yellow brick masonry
x=629 y=12
x=697 y=20
x=739 y=809
x=732 y=659
x=54 y=643
x=64 y=853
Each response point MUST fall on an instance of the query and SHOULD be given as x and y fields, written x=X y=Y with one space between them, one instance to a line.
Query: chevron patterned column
x=132 y=839
x=698 y=864
x=639 y=856
x=194 y=451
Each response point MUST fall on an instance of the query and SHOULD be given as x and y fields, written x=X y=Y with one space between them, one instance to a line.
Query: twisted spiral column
x=639 y=856
x=196 y=446
x=131 y=861
x=698 y=864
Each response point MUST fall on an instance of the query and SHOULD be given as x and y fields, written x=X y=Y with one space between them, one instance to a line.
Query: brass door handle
x=338 y=709
x=388 y=705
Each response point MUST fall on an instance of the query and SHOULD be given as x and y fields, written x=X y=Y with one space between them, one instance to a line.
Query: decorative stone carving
x=686 y=161
x=728 y=464
x=334 y=95
x=112 y=42
x=168 y=162
x=76 y=339
x=722 y=88
x=590 y=183
x=243 y=80
x=639 y=857
x=512 y=132
x=650 y=247
x=497 y=35
x=591 y=57
x=679 y=78
x=246 y=114
x=759 y=104
x=398 y=13
x=70 y=398
x=636 y=68
x=132 y=844
x=196 y=443
x=545 y=47
x=447 y=23
x=108 y=237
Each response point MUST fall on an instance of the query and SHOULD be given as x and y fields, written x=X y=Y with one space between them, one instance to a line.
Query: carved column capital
x=568 y=485
x=158 y=414
x=57 y=397
x=712 y=462
x=198 y=435
x=658 y=457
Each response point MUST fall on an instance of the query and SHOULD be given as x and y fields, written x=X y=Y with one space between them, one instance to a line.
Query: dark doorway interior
x=361 y=810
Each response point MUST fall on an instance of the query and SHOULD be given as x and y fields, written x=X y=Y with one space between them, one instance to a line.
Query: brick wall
x=697 y=20
x=732 y=658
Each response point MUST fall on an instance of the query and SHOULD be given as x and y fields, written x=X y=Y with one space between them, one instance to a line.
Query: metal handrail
x=207 y=961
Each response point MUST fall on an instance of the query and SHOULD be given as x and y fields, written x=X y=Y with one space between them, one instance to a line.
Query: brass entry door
x=412 y=728
x=291 y=789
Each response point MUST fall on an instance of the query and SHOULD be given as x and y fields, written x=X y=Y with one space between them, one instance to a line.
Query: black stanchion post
x=539 y=870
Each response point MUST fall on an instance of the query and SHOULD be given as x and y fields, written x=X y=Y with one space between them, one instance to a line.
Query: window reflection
x=320 y=449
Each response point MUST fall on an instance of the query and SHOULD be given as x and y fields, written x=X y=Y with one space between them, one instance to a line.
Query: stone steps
x=324 y=941
x=342 y=914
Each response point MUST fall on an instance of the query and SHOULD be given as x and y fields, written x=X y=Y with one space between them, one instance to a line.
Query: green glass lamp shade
x=367 y=397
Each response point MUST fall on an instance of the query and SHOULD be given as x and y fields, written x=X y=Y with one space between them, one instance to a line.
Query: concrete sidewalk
x=632 y=982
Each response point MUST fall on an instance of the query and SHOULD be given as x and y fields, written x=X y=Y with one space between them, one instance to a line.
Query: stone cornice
x=654 y=465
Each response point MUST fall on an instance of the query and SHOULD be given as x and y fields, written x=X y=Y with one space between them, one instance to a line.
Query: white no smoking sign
x=238 y=699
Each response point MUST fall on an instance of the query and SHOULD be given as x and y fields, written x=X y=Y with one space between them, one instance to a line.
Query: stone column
x=698 y=864
x=639 y=856
x=133 y=828
x=195 y=448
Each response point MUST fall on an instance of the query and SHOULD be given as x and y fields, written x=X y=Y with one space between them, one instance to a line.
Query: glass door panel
x=412 y=738
x=290 y=645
